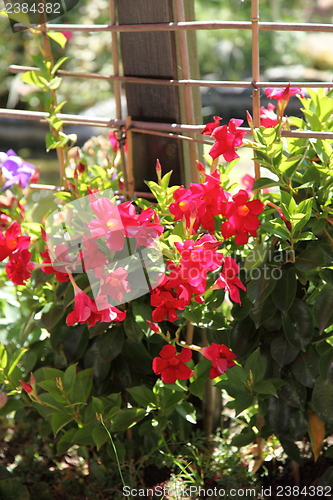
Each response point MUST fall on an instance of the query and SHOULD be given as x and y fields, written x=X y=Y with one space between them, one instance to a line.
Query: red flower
x=154 y=326
x=221 y=358
x=115 y=142
x=167 y=304
x=26 y=386
x=115 y=285
x=86 y=310
x=227 y=139
x=229 y=279
x=211 y=126
x=268 y=118
x=241 y=215
x=19 y=266
x=48 y=268
x=12 y=240
x=171 y=365
x=283 y=94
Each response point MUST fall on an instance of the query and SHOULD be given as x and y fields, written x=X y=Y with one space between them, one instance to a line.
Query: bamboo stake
x=168 y=127
x=130 y=170
x=188 y=25
x=255 y=72
x=117 y=85
x=188 y=82
x=188 y=98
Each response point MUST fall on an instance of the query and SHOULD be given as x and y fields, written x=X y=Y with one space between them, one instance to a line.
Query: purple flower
x=15 y=170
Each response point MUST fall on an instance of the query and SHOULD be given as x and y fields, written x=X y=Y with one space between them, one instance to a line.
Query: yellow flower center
x=243 y=211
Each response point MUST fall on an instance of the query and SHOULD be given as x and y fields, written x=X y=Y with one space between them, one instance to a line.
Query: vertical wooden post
x=255 y=71
x=151 y=54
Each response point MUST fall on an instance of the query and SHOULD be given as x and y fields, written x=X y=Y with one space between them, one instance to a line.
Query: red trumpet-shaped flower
x=242 y=217
x=268 y=117
x=283 y=94
x=208 y=130
x=221 y=357
x=19 y=266
x=229 y=279
x=227 y=138
x=12 y=240
x=86 y=310
x=171 y=365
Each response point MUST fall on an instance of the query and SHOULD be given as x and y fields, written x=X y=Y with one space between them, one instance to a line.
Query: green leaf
x=69 y=378
x=33 y=78
x=83 y=385
x=265 y=182
x=143 y=396
x=187 y=411
x=289 y=162
x=255 y=365
x=243 y=439
x=326 y=366
x=257 y=256
x=322 y=400
x=66 y=441
x=284 y=292
x=11 y=489
x=100 y=436
x=109 y=345
x=265 y=387
x=15 y=359
x=293 y=393
x=58 y=37
x=126 y=418
x=237 y=375
x=291 y=449
x=3 y=356
x=323 y=308
x=288 y=204
x=59 y=420
x=132 y=329
x=311 y=258
x=264 y=312
x=83 y=436
x=120 y=449
x=260 y=288
x=57 y=65
x=305 y=367
x=243 y=338
x=282 y=352
x=298 y=325
x=277 y=415
x=276 y=227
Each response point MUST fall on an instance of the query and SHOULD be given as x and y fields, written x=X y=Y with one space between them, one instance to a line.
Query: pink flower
x=227 y=139
x=283 y=95
x=86 y=310
x=229 y=279
x=268 y=118
x=171 y=365
x=209 y=127
x=48 y=268
x=220 y=356
x=12 y=240
x=242 y=217
x=115 y=285
x=19 y=266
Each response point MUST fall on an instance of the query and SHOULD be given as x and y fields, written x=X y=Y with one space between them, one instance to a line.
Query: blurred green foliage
x=225 y=55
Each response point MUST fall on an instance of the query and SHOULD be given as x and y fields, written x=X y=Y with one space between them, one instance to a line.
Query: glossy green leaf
x=255 y=366
x=187 y=411
x=264 y=312
x=323 y=308
x=69 y=378
x=282 y=352
x=265 y=387
x=12 y=489
x=132 y=329
x=120 y=449
x=298 y=325
x=237 y=375
x=293 y=393
x=59 y=420
x=58 y=37
x=326 y=366
x=265 y=182
x=291 y=449
x=243 y=439
x=305 y=367
x=311 y=258
x=260 y=288
x=243 y=338
x=143 y=396
x=285 y=290
x=109 y=344
x=322 y=400
x=100 y=437
x=66 y=441
x=298 y=424
x=126 y=418
x=277 y=415
x=83 y=385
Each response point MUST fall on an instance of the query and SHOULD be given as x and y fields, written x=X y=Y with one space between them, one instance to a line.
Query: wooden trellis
x=176 y=131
